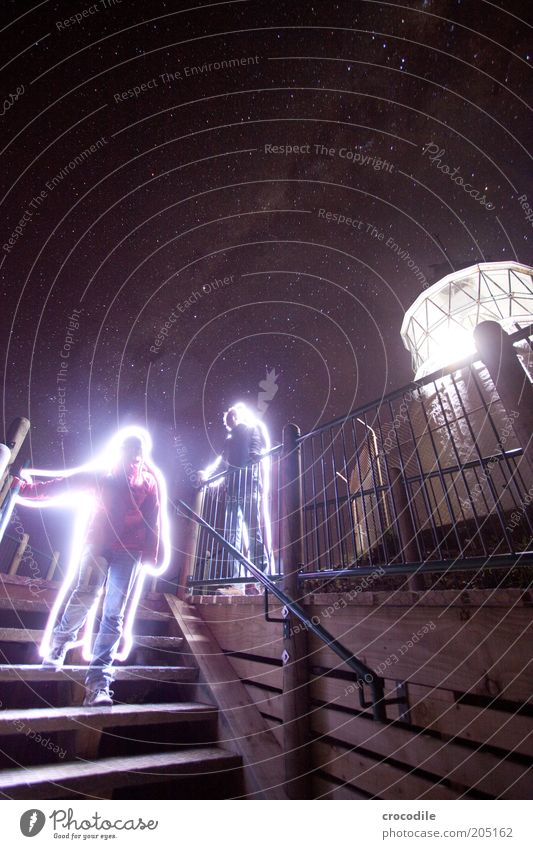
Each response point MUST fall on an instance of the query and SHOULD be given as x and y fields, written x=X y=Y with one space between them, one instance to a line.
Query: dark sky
x=181 y=109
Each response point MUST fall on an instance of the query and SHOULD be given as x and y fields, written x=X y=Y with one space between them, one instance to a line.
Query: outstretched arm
x=46 y=491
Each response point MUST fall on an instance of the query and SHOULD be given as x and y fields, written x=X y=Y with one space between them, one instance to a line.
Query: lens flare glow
x=454 y=343
x=83 y=504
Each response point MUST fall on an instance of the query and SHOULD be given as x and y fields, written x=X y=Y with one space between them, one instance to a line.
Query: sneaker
x=100 y=697
x=232 y=589
x=55 y=657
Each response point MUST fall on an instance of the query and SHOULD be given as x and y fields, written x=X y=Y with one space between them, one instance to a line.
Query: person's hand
x=23 y=477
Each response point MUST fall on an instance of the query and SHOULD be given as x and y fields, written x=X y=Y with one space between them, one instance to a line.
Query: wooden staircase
x=158 y=740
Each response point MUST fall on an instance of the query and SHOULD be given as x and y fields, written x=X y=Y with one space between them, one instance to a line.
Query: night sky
x=173 y=175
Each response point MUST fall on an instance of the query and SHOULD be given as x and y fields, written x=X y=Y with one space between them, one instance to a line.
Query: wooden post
x=19 y=554
x=510 y=381
x=53 y=566
x=405 y=528
x=296 y=703
x=187 y=549
x=16 y=434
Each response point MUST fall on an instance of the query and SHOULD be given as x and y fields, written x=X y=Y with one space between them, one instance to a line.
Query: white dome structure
x=437 y=328
x=444 y=440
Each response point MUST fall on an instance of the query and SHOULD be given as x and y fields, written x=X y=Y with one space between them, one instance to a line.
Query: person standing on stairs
x=123 y=532
x=241 y=456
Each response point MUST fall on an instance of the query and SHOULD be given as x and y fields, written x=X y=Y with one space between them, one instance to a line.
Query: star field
x=236 y=141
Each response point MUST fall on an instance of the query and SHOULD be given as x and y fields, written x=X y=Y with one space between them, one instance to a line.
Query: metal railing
x=430 y=478
x=364 y=675
x=431 y=474
x=243 y=505
x=34 y=563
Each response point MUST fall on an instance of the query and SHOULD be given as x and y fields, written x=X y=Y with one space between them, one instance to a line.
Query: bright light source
x=454 y=343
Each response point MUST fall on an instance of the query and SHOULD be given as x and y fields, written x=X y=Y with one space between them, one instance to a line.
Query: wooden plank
x=72 y=718
x=87 y=743
x=19 y=554
x=437 y=710
x=35 y=635
x=343 y=693
x=100 y=777
x=27 y=605
x=375 y=777
x=242 y=726
x=243 y=628
x=167 y=674
x=486 y=654
x=267 y=701
x=324 y=789
x=276 y=726
x=326 y=689
x=261 y=673
x=24 y=586
x=9 y=583
x=153 y=642
x=473 y=769
x=53 y=566
x=270 y=702
x=21 y=635
x=486 y=772
x=468 y=648
x=505 y=597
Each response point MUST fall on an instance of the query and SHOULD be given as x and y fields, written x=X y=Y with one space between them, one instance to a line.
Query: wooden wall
x=460 y=660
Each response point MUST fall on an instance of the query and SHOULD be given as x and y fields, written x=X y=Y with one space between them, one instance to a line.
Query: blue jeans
x=118 y=572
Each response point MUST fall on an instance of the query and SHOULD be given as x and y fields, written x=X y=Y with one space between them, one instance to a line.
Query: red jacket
x=126 y=514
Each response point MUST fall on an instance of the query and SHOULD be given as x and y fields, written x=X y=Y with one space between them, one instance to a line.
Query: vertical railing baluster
x=346 y=473
x=361 y=488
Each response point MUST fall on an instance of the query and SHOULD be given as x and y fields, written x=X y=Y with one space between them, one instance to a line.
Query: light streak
x=84 y=505
x=210 y=470
x=5 y=458
x=7 y=508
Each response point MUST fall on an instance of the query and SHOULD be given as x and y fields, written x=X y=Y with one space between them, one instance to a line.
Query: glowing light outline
x=8 y=504
x=5 y=458
x=246 y=416
x=106 y=460
x=210 y=470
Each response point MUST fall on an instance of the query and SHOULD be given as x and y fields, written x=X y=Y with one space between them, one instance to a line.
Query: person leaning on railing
x=241 y=455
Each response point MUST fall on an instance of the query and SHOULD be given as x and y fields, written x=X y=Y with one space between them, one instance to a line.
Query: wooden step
x=12 y=584
x=98 y=778
x=33 y=635
x=30 y=605
x=72 y=718
x=163 y=674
